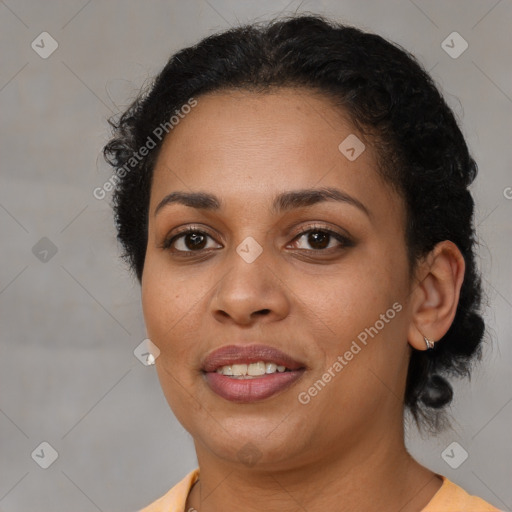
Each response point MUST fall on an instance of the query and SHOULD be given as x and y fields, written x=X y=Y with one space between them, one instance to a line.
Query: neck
x=356 y=477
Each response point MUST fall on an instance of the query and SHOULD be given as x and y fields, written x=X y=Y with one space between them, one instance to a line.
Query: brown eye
x=318 y=239
x=321 y=239
x=188 y=241
x=194 y=241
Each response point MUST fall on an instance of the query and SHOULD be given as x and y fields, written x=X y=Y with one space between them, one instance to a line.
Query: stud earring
x=429 y=343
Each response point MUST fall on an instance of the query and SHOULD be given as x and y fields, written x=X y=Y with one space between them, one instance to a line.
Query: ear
x=436 y=295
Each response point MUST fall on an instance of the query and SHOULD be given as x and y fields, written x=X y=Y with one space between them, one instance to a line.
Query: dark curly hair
x=389 y=97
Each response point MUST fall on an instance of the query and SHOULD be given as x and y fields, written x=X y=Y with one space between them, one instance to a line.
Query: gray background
x=68 y=375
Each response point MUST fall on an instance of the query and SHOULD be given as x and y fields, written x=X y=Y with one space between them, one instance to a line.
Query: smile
x=250 y=373
x=251 y=370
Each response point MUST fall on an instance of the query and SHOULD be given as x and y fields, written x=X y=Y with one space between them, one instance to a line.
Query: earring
x=429 y=343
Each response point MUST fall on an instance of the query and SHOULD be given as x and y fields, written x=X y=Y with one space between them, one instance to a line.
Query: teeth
x=255 y=369
x=239 y=369
x=270 y=367
x=250 y=370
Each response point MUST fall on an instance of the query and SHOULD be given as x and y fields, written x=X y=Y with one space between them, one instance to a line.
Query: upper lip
x=239 y=354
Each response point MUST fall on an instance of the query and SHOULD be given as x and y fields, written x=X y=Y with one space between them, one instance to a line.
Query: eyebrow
x=284 y=201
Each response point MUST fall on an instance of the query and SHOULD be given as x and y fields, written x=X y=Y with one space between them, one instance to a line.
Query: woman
x=293 y=199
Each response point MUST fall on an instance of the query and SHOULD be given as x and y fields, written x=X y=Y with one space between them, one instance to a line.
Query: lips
x=254 y=389
x=238 y=354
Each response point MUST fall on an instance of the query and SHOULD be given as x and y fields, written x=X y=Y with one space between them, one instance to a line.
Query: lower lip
x=251 y=390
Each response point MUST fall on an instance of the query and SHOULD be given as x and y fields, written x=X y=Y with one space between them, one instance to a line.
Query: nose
x=250 y=290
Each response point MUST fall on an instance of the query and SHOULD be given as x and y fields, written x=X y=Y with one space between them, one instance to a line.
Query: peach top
x=449 y=498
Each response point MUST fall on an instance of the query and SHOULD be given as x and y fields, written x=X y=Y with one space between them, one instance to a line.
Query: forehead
x=247 y=125
x=251 y=144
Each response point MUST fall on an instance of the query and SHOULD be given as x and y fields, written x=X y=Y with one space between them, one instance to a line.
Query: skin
x=245 y=148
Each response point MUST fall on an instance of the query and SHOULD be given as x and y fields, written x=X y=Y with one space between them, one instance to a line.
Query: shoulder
x=174 y=500
x=452 y=498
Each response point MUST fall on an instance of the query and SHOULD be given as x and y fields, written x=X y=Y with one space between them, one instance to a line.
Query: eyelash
x=344 y=241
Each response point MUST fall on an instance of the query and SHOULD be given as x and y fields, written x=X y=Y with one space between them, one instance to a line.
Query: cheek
x=348 y=300
x=355 y=304
x=167 y=302
x=171 y=324
x=164 y=292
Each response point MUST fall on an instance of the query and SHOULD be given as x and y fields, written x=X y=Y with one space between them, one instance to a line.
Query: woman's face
x=248 y=276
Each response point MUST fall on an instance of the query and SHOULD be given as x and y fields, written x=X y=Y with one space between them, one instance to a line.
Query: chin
x=258 y=445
